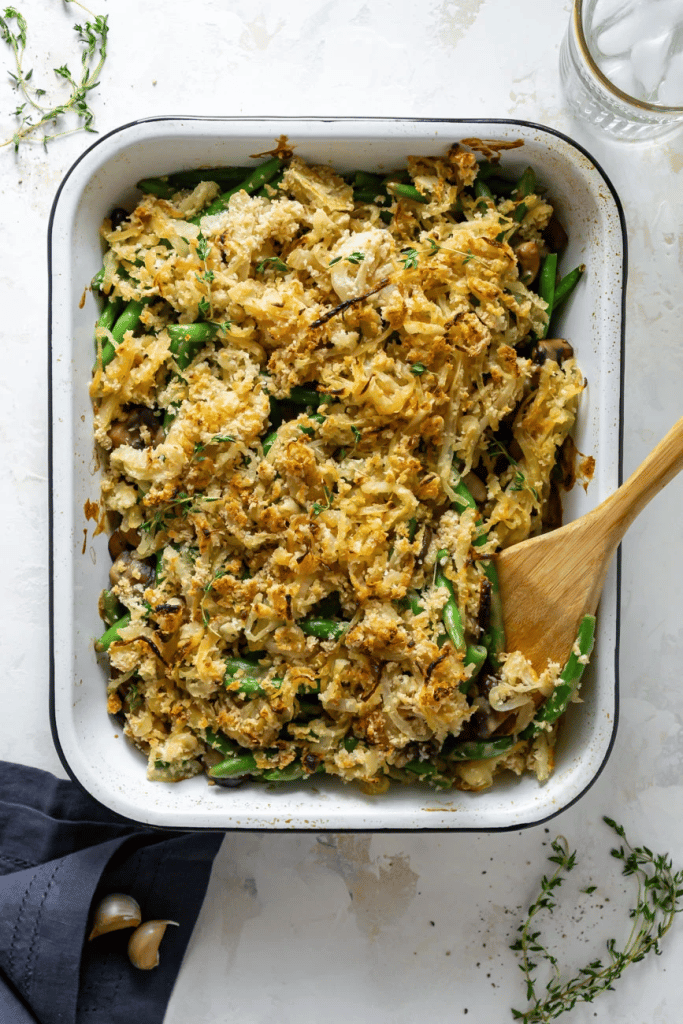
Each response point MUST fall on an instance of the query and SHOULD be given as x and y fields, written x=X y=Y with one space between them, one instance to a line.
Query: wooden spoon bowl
x=549 y=583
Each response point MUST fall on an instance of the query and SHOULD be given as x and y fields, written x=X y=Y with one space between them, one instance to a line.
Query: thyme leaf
x=410 y=256
x=317 y=507
x=658 y=900
x=34 y=116
x=278 y=264
x=519 y=481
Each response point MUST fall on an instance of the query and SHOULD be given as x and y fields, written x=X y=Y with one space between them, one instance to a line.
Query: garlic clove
x=114 y=912
x=143 y=945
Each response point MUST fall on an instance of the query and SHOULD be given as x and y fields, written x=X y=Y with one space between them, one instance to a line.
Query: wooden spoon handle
x=654 y=473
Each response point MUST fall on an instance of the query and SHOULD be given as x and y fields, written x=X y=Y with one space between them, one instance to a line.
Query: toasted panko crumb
x=302 y=461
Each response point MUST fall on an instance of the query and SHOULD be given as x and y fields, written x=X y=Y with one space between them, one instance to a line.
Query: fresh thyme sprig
x=198 y=453
x=659 y=892
x=34 y=114
x=317 y=507
x=179 y=507
x=519 y=482
x=354 y=257
x=410 y=256
x=206 y=277
x=278 y=264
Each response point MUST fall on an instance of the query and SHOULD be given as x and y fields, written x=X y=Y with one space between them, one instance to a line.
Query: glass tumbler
x=621 y=66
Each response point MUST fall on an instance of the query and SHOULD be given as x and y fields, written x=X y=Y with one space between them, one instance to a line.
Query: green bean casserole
x=322 y=403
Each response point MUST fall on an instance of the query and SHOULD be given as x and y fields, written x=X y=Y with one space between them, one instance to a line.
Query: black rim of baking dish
x=447 y=122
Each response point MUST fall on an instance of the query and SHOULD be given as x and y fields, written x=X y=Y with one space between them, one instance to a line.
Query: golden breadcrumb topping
x=328 y=414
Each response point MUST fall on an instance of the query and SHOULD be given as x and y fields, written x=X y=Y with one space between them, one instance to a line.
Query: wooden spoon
x=549 y=583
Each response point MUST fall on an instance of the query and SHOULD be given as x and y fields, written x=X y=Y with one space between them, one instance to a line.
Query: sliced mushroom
x=132 y=569
x=552 y=513
x=139 y=428
x=426 y=541
x=143 y=946
x=529 y=259
x=114 y=912
x=555 y=236
x=122 y=540
x=118 y=216
x=552 y=348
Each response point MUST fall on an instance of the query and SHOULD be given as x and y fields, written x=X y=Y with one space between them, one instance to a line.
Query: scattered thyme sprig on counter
x=659 y=892
x=34 y=114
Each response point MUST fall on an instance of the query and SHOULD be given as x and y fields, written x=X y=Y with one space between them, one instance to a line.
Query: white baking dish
x=91 y=745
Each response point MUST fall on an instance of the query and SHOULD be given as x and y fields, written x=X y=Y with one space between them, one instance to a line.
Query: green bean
x=485 y=169
x=401 y=176
x=407 y=192
x=309 y=689
x=526 y=185
x=291 y=773
x=112 y=608
x=376 y=196
x=422 y=768
x=110 y=314
x=452 y=620
x=157 y=187
x=310 y=431
x=451 y=616
x=366 y=179
x=411 y=601
x=369 y=187
x=252 y=183
x=480 y=750
x=188 y=339
x=98 y=280
x=570 y=677
x=475 y=655
x=128 y=320
x=234 y=665
x=250 y=685
x=301 y=395
x=169 y=415
x=546 y=286
x=247 y=685
x=272 y=184
x=235 y=764
x=221 y=742
x=501 y=186
x=520 y=213
x=323 y=629
x=269 y=441
x=482 y=190
x=112 y=634
x=464 y=497
x=221 y=175
x=567 y=284
x=494 y=638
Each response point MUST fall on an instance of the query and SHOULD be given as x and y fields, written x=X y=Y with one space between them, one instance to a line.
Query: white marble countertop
x=396 y=927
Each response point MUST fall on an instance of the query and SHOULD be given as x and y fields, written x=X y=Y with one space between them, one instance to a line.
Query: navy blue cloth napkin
x=60 y=853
